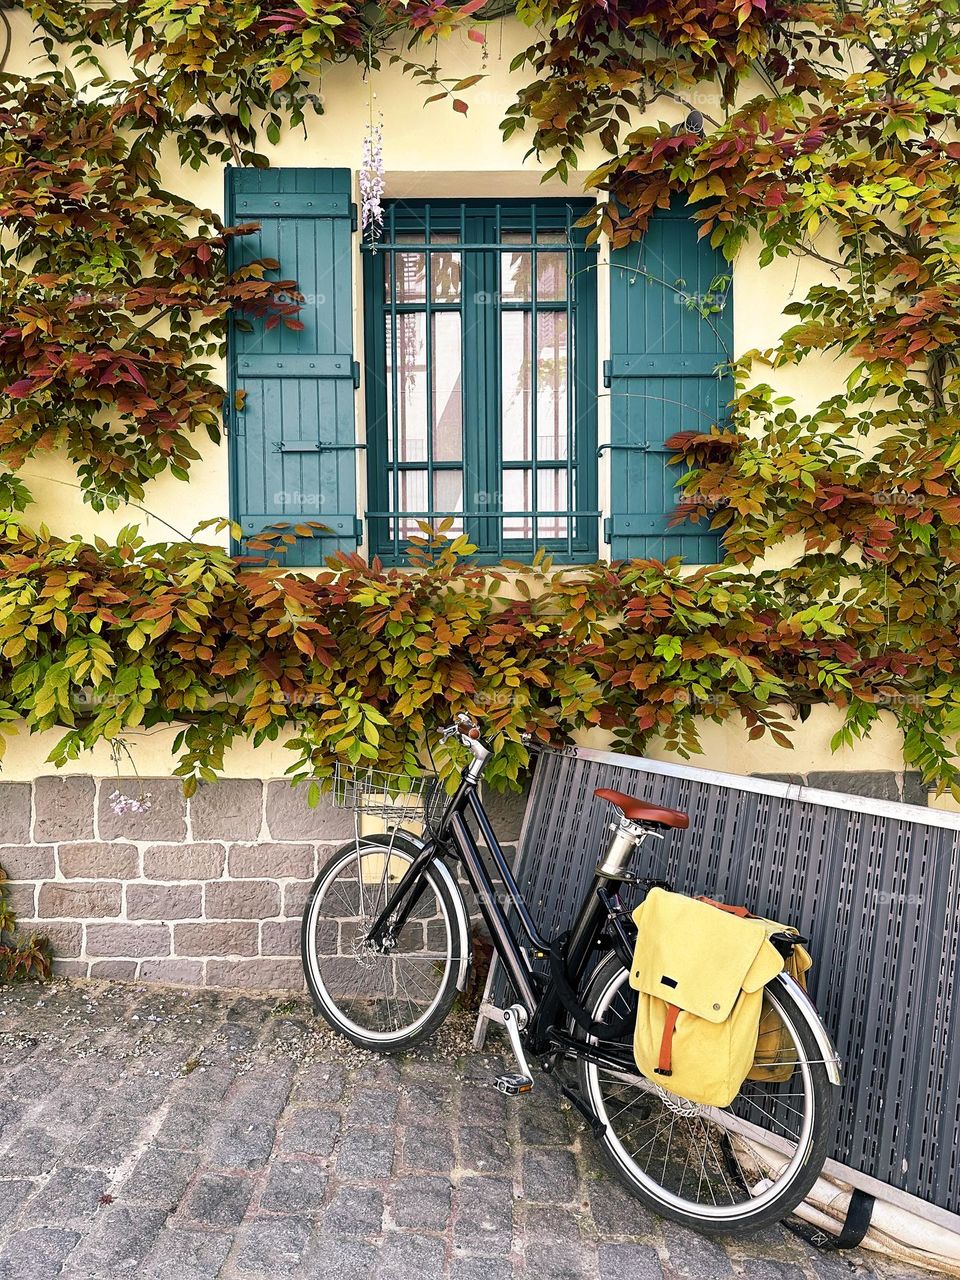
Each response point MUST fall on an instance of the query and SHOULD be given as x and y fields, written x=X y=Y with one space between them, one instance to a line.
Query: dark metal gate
x=874 y=884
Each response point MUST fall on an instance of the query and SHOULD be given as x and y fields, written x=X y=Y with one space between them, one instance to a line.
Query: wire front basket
x=375 y=793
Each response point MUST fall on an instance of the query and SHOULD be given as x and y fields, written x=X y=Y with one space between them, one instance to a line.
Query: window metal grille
x=481 y=378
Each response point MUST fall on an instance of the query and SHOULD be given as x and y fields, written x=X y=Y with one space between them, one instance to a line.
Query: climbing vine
x=823 y=131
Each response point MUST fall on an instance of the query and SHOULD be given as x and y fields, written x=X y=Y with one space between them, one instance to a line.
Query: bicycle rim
x=714 y=1164
x=375 y=996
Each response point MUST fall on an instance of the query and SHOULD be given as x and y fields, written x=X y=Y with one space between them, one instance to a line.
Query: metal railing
x=485 y=529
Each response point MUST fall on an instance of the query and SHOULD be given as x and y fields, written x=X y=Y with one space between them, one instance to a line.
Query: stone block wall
x=207 y=891
x=879 y=784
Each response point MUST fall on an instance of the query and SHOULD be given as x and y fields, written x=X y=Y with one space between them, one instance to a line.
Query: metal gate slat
x=876 y=886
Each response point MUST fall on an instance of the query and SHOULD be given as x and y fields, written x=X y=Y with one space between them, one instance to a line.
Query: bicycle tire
x=608 y=976
x=452 y=913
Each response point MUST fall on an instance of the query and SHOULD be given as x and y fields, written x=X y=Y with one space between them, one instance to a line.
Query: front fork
x=383 y=933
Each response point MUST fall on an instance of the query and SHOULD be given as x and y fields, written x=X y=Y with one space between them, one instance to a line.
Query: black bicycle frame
x=536 y=993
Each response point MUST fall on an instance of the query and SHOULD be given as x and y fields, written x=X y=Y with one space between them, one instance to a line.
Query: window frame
x=482 y=464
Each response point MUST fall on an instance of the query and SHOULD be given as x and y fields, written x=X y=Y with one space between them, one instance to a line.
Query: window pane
x=552 y=496
x=553 y=388
x=447 y=387
x=411 y=495
x=516 y=269
x=407 y=418
x=516 y=497
x=409 y=354
x=444 y=271
x=515 y=404
x=448 y=496
x=551 y=277
x=410 y=268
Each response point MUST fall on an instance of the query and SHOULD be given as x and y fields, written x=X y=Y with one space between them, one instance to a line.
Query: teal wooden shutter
x=662 y=377
x=293 y=443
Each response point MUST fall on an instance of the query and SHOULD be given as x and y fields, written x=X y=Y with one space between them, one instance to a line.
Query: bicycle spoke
x=704 y=1157
x=388 y=987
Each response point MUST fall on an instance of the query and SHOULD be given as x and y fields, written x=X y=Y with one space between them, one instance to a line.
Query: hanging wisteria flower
x=121 y=804
x=372 y=182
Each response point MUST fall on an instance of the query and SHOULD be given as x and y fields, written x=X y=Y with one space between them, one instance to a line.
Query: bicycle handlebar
x=466 y=729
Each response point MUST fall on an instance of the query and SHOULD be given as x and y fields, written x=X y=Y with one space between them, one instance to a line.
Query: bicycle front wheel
x=732 y=1169
x=387 y=1000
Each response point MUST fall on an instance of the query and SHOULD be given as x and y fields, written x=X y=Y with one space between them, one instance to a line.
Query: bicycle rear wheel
x=387 y=1000
x=731 y=1169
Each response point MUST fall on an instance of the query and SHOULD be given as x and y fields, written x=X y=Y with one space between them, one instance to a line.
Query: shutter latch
x=644 y=446
x=313 y=446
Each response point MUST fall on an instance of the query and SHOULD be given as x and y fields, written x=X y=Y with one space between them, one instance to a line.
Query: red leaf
x=22 y=387
x=460 y=105
x=135 y=374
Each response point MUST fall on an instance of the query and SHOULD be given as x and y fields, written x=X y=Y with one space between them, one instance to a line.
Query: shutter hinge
x=607 y=532
x=354 y=222
x=358 y=529
x=607 y=372
x=232 y=423
x=356 y=373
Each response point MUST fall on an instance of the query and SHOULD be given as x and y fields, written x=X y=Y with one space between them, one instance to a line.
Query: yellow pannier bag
x=700 y=974
x=775 y=1058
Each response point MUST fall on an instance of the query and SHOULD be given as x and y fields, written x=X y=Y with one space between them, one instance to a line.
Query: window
x=481 y=377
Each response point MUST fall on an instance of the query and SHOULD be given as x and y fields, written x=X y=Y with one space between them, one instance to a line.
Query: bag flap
x=692 y=955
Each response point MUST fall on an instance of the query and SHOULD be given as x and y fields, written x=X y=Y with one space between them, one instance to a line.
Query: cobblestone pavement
x=180 y=1135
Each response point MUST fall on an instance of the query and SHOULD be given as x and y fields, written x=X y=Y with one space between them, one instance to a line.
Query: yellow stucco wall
x=433 y=151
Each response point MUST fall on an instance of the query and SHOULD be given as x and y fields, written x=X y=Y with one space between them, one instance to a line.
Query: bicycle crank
x=515 y=1019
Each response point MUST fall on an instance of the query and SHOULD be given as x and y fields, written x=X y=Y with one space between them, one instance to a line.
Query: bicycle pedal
x=512 y=1085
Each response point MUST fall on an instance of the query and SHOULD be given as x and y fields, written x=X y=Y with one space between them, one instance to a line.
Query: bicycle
x=386 y=948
